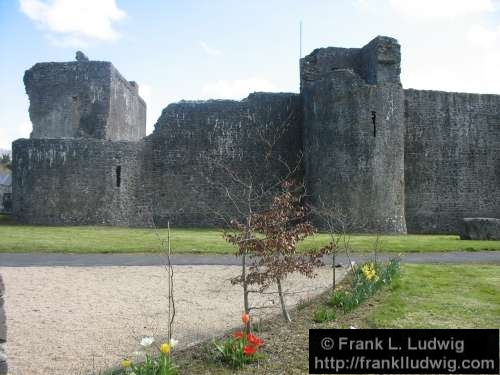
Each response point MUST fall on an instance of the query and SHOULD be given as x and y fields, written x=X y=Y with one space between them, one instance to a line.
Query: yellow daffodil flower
x=165 y=348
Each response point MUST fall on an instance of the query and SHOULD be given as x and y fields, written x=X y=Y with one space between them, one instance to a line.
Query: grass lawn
x=425 y=296
x=433 y=296
x=102 y=239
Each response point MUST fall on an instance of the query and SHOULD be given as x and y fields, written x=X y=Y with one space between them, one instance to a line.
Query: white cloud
x=10 y=134
x=145 y=92
x=75 y=22
x=442 y=8
x=209 y=50
x=236 y=89
x=483 y=37
x=458 y=72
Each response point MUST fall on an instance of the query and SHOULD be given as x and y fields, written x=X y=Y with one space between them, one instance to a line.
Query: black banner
x=404 y=351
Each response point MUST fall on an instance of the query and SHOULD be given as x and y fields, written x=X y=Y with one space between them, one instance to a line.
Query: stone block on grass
x=480 y=228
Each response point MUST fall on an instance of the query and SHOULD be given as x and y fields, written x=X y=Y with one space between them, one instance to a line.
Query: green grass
x=437 y=296
x=89 y=239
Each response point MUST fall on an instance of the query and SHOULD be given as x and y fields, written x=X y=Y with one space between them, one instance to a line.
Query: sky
x=228 y=48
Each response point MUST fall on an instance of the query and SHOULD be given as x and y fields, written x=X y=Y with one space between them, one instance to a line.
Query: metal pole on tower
x=300 y=40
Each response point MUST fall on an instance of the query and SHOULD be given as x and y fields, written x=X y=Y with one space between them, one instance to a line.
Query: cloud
x=145 y=92
x=481 y=36
x=74 y=22
x=458 y=72
x=209 y=50
x=236 y=89
x=10 y=134
x=441 y=8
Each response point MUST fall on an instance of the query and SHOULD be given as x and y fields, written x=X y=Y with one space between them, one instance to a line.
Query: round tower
x=354 y=134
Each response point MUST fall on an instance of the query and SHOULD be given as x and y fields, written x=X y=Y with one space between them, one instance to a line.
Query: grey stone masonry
x=84 y=99
x=198 y=146
x=3 y=331
x=75 y=182
x=354 y=133
x=452 y=159
x=389 y=160
x=480 y=228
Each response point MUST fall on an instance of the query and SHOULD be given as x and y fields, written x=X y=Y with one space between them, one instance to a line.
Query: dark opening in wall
x=118 y=176
x=374 y=120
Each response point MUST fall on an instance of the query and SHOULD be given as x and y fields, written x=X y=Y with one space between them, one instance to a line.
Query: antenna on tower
x=300 y=40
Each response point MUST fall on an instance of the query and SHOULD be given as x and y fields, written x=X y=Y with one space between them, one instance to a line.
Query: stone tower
x=354 y=133
x=84 y=99
x=82 y=163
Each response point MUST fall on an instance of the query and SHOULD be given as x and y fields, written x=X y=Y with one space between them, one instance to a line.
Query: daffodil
x=126 y=363
x=369 y=272
x=165 y=348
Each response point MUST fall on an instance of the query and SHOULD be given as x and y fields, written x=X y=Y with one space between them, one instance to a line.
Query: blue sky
x=225 y=49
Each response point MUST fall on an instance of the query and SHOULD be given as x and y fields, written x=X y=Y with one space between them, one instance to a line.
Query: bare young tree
x=248 y=190
x=272 y=246
x=339 y=224
x=166 y=251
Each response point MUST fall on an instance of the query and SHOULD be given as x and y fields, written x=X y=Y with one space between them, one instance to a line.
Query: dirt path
x=68 y=320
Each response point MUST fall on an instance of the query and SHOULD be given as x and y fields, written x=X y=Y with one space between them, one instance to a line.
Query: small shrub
x=324 y=315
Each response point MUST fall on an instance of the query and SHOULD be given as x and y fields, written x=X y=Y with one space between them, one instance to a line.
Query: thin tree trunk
x=334 y=270
x=246 y=306
x=245 y=286
x=282 y=301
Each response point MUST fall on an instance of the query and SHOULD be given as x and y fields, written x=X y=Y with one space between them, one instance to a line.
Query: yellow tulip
x=165 y=348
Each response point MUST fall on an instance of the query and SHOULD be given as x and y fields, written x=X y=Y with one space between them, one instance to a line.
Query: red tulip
x=245 y=318
x=249 y=350
x=239 y=335
x=254 y=340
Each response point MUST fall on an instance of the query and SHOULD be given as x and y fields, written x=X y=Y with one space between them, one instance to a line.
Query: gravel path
x=68 y=320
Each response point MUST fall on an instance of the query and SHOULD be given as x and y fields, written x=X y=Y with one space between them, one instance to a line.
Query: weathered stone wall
x=452 y=159
x=74 y=181
x=390 y=158
x=199 y=148
x=4 y=190
x=3 y=331
x=127 y=112
x=350 y=162
x=377 y=62
x=83 y=99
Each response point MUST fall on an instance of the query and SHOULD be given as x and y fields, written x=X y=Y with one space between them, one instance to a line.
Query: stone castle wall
x=395 y=160
x=199 y=149
x=84 y=99
x=452 y=159
x=354 y=133
x=74 y=182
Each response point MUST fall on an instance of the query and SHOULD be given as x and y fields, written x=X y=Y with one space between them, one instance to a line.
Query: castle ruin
x=399 y=160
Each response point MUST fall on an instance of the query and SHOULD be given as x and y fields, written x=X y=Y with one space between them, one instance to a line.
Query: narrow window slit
x=118 y=176
x=374 y=120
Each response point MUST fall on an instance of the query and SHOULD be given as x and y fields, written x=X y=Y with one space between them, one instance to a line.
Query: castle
x=398 y=160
